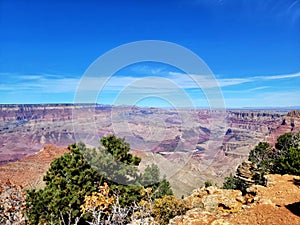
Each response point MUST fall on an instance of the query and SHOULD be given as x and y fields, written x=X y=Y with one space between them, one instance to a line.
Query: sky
x=251 y=47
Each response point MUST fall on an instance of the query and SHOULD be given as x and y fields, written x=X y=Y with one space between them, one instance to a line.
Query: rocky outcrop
x=294 y=113
x=12 y=203
x=277 y=203
x=210 y=205
x=218 y=201
x=289 y=123
x=197 y=217
x=246 y=172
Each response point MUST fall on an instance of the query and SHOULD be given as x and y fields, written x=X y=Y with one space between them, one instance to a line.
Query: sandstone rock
x=12 y=203
x=215 y=200
x=245 y=172
x=193 y=217
x=269 y=205
x=210 y=203
x=220 y=222
x=266 y=202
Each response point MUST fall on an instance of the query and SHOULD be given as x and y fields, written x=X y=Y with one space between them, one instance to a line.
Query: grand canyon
x=189 y=146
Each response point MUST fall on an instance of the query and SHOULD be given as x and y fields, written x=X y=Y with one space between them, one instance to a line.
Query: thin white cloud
x=277 y=77
x=210 y=81
x=205 y=81
x=247 y=90
x=258 y=88
x=39 y=83
x=180 y=80
x=30 y=77
x=169 y=83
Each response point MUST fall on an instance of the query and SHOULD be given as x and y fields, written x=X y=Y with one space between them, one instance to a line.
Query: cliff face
x=36 y=125
x=25 y=129
x=289 y=123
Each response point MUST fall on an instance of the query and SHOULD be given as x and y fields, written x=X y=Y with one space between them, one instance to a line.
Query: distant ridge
x=277 y=108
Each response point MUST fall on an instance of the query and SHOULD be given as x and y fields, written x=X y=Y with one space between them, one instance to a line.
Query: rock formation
x=277 y=203
x=29 y=171
x=246 y=172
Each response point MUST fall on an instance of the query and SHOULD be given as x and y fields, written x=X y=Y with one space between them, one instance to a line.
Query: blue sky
x=251 y=46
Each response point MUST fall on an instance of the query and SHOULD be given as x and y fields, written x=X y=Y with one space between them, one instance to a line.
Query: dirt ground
x=278 y=203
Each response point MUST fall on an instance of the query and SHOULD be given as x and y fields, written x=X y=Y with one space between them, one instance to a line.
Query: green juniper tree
x=68 y=180
x=283 y=159
x=79 y=172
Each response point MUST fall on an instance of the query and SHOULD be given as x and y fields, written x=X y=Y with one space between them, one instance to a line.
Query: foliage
x=162 y=189
x=98 y=204
x=290 y=162
x=233 y=182
x=283 y=159
x=68 y=180
x=207 y=184
x=287 y=160
x=71 y=183
x=113 y=161
x=119 y=169
x=167 y=207
x=151 y=178
x=263 y=157
x=286 y=141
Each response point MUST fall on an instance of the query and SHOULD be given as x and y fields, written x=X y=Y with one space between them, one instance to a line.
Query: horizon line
x=295 y=107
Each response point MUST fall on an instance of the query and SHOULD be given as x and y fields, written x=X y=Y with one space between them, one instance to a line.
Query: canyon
x=190 y=146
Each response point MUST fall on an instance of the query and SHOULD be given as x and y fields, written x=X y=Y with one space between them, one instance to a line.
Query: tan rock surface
x=276 y=204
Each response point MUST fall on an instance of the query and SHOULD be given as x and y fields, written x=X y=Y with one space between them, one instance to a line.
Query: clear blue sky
x=251 y=46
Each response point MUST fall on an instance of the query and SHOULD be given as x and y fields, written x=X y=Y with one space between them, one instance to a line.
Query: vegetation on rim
x=283 y=159
x=80 y=173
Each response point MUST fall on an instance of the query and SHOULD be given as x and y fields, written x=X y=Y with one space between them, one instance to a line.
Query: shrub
x=207 y=184
x=263 y=157
x=233 y=182
x=284 y=158
x=287 y=140
x=287 y=161
x=290 y=162
x=98 y=204
x=167 y=207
